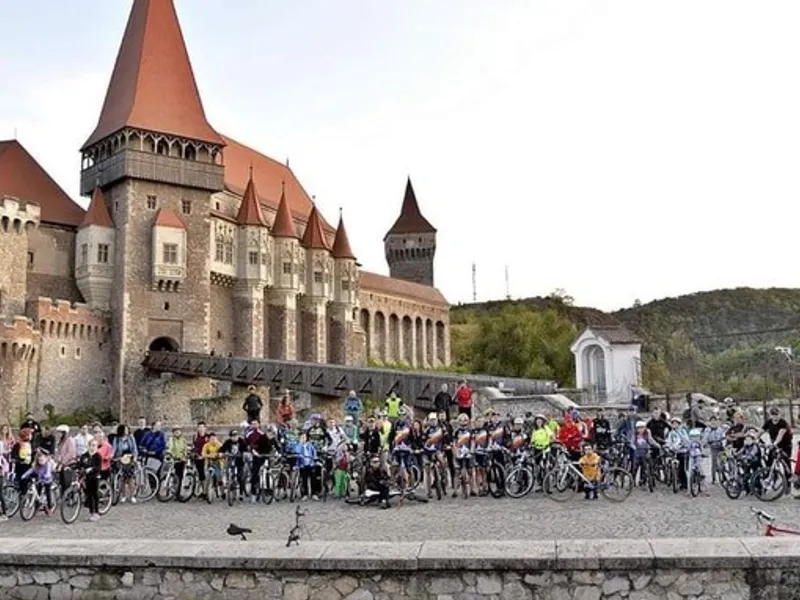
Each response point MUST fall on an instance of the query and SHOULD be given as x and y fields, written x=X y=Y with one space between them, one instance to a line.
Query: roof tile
x=98 y=211
x=399 y=287
x=166 y=217
x=283 y=225
x=24 y=178
x=250 y=208
x=313 y=236
x=152 y=86
x=341 y=245
x=410 y=219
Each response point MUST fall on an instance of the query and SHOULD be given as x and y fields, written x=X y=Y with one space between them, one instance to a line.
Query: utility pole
x=508 y=288
x=474 y=283
x=788 y=354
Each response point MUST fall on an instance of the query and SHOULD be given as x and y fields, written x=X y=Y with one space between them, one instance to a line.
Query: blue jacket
x=155 y=442
x=307 y=453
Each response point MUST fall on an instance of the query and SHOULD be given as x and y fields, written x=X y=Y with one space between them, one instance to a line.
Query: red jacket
x=464 y=397
x=570 y=435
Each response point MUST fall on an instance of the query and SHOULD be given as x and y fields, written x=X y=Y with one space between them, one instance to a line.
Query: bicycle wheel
x=146 y=485
x=519 y=482
x=617 y=485
x=267 y=491
x=104 y=496
x=29 y=505
x=325 y=485
x=11 y=496
x=116 y=488
x=651 y=477
x=438 y=474
x=414 y=477
x=676 y=481
x=733 y=487
x=233 y=489
x=294 y=485
x=71 y=503
x=693 y=483
x=166 y=488
x=768 y=485
x=496 y=480
x=187 y=486
x=560 y=484
x=281 y=491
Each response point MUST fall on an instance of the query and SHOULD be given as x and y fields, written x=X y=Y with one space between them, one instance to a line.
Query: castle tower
x=318 y=291
x=288 y=281
x=410 y=244
x=253 y=274
x=345 y=297
x=153 y=153
x=94 y=253
x=16 y=220
x=19 y=348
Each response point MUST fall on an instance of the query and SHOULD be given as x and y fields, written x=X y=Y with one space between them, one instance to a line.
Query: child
x=590 y=466
x=91 y=464
x=4 y=469
x=307 y=460
x=376 y=481
x=42 y=472
x=714 y=437
x=695 y=465
x=21 y=458
x=341 y=472
x=213 y=465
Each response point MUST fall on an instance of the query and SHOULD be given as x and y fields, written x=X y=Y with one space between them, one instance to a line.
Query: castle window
x=317 y=276
x=78 y=353
x=252 y=258
x=63 y=351
x=287 y=268
x=102 y=253
x=345 y=285
x=219 y=251
x=186 y=207
x=170 y=254
x=228 y=253
x=84 y=254
x=216 y=206
x=30 y=261
x=152 y=202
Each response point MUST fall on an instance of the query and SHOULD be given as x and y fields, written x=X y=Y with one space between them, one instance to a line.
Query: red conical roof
x=153 y=86
x=411 y=219
x=250 y=208
x=283 y=226
x=98 y=211
x=314 y=236
x=341 y=245
x=166 y=217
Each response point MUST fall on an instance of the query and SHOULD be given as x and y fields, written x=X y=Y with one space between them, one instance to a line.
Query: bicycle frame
x=771 y=529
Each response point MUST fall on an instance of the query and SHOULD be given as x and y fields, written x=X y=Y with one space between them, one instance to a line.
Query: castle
x=191 y=241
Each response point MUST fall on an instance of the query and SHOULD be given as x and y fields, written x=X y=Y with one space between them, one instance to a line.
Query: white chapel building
x=608 y=364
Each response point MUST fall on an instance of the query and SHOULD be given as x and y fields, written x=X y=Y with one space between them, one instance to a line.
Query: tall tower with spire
x=411 y=243
x=157 y=161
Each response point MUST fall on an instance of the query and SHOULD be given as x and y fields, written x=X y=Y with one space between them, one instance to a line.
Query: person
x=678 y=442
x=570 y=437
x=177 y=449
x=400 y=442
x=780 y=434
x=126 y=452
x=350 y=431
x=90 y=462
x=480 y=443
x=372 y=437
x=341 y=471
x=5 y=468
x=714 y=438
x=462 y=453
x=749 y=457
x=252 y=405
x=141 y=430
x=154 y=442
x=213 y=462
x=264 y=446
x=602 y=431
x=353 y=406
x=642 y=445
x=235 y=447
x=46 y=440
x=22 y=458
x=7 y=437
x=307 y=461
x=65 y=455
x=106 y=452
x=590 y=467
x=377 y=481
x=443 y=401
x=736 y=432
x=82 y=440
x=464 y=399
x=32 y=424
x=393 y=404
x=199 y=440
x=41 y=472
x=286 y=410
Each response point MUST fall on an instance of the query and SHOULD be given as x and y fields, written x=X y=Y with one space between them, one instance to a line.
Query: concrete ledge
x=517 y=555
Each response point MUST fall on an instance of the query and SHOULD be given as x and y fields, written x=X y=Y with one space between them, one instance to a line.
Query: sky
x=618 y=150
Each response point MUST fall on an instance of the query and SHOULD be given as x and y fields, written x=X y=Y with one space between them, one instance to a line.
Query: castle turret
x=94 y=253
x=345 y=297
x=253 y=274
x=410 y=244
x=19 y=347
x=16 y=220
x=318 y=290
x=169 y=251
x=289 y=272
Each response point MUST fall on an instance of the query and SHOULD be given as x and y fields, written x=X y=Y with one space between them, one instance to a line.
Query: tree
x=519 y=342
x=562 y=295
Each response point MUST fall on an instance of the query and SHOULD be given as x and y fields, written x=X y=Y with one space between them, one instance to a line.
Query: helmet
x=234 y=433
x=675 y=420
x=348 y=419
x=519 y=421
x=402 y=412
x=63 y=428
x=542 y=417
x=640 y=424
x=463 y=418
x=433 y=416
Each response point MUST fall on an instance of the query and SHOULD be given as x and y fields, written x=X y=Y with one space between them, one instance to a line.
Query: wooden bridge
x=415 y=387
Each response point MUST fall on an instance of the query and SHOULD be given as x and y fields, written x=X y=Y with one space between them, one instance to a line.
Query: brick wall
x=53 y=271
x=19 y=353
x=221 y=332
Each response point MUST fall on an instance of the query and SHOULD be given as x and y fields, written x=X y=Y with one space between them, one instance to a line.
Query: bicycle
x=235 y=487
x=496 y=471
x=569 y=478
x=695 y=475
x=771 y=529
x=35 y=499
x=74 y=498
x=434 y=476
x=169 y=486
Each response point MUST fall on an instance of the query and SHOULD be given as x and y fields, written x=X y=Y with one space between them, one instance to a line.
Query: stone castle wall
x=74 y=367
x=19 y=354
x=52 y=274
x=711 y=569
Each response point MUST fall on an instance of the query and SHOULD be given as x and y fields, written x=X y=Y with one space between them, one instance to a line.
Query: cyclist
x=213 y=462
x=177 y=450
x=602 y=431
x=393 y=405
x=235 y=447
x=462 y=453
x=517 y=438
x=480 y=443
x=432 y=448
x=400 y=443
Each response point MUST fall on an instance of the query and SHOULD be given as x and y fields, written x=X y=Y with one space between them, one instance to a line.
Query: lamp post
x=789 y=355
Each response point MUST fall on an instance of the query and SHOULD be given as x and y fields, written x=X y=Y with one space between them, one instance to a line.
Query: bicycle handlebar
x=760 y=514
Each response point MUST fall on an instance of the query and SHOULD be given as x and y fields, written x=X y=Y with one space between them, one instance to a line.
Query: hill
x=721 y=342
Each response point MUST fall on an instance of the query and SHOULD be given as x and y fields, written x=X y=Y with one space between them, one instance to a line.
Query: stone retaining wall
x=691 y=569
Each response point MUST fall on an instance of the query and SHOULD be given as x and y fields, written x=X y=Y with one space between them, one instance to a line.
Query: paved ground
x=661 y=514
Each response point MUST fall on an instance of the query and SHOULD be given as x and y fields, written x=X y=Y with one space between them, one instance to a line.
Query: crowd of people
x=444 y=450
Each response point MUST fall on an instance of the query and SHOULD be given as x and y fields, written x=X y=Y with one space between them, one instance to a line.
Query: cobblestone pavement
x=660 y=514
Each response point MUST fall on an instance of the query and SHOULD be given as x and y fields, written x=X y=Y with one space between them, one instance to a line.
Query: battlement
x=17 y=216
x=18 y=339
x=63 y=319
